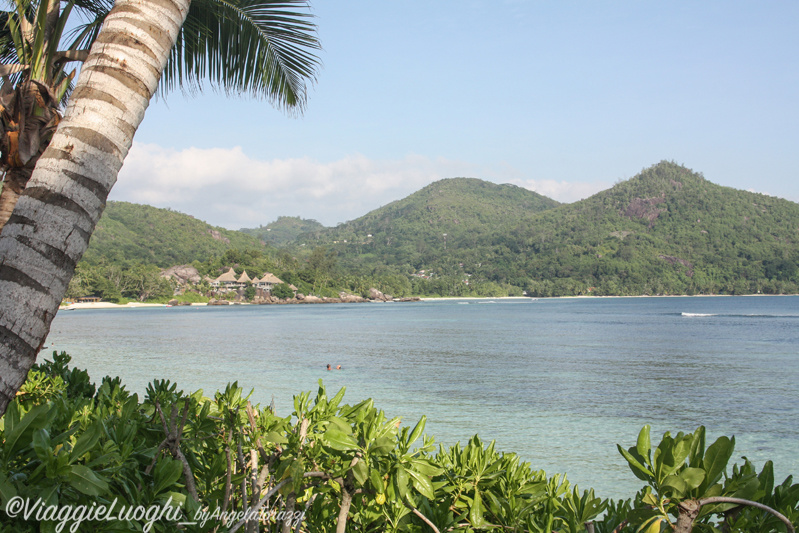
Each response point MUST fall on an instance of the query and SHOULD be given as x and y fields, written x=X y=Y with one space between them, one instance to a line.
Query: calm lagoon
x=558 y=381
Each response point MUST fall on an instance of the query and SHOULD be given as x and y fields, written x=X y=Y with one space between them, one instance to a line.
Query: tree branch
x=254 y=509
x=741 y=501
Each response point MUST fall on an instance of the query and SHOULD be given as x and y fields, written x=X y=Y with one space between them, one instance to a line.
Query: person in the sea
x=328 y=367
x=338 y=367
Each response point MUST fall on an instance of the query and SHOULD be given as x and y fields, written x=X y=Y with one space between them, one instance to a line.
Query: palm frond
x=264 y=48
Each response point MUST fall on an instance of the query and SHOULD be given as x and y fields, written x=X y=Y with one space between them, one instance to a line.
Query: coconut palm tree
x=241 y=46
x=262 y=48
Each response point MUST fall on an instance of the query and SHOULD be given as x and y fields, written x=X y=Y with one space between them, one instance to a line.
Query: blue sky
x=564 y=98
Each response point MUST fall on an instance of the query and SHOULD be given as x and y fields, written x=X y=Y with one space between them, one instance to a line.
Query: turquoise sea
x=559 y=381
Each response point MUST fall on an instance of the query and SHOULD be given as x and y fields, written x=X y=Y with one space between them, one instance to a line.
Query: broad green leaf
x=640 y=471
x=693 y=477
x=339 y=424
x=401 y=480
x=424 y=467
x=275 y=437
x=361 y=472
x=86 y=442
x=652 y=526
x=766 y=479
x=674 y=485
x=644 y=445
x=377 y=481
x=166 y=473
x=697 y=448
x=381 y=446
x=716 y=458
x=650 y=499
x=339 y=441
x=178 y=499
x=335 y=400
x=423 y=485
x=477 y=511
x=679 y=452
x=41 y=444
x=17 y=432
x=417 y=430
x=748 y=489
x=86 y=481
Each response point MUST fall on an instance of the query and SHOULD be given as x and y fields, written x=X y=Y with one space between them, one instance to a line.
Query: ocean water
x=558 y=381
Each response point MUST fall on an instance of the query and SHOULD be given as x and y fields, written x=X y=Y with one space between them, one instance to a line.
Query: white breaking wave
x=698 y=314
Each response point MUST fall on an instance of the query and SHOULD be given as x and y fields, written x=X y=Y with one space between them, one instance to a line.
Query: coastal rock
x=311 y=299
x=182 y=274
x=375 y=294
x=350 y=298
x=300 y=296
x=214 y=301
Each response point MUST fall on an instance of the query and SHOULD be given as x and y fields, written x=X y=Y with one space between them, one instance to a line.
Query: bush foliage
x=331 y=466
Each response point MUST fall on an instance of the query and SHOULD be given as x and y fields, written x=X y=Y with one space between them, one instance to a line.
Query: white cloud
x=225 y=187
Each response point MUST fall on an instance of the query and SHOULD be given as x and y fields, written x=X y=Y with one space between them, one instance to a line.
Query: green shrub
x=65 y=442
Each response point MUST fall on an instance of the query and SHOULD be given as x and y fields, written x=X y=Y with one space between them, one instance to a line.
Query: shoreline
x=133 y=305
x=109 y=305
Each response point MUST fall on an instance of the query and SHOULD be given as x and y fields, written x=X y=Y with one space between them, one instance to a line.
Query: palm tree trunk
x=50 y=228
x=13 y=185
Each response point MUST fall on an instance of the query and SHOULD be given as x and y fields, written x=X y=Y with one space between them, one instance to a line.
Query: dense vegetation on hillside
x=130 y=234
x=284 y=230
x=204 y=461
x=665 y=231
x=450 y=214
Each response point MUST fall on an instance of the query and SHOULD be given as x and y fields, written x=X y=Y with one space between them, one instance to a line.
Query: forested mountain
x=284 y=230
x=667 y=230
x=129 y=234
x=446 y=216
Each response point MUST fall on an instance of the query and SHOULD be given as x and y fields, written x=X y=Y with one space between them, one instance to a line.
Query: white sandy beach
x=109 y=305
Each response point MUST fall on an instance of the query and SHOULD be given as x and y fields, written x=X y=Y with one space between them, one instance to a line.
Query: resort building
x=267 y=282
x=229 y=282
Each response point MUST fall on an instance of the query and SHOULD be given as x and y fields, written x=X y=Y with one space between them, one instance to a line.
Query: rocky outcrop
x=646 y=208
x=377 y=296
x=174 y=302
x=218 y=236
x=214 y=301
x=182 y=274
x=346 y=297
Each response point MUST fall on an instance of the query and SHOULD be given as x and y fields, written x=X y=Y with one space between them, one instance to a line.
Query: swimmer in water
x=328 y=367
x=338 y=367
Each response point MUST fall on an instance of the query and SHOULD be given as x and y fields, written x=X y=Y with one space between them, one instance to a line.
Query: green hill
x=665 y=231
x=132 y=233
x=284 y=230
x=432 y=223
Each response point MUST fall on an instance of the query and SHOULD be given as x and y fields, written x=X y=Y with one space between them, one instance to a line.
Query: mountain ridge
x=667 y=230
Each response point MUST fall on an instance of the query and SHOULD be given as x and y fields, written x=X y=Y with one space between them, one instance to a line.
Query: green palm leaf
x=259 y=47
